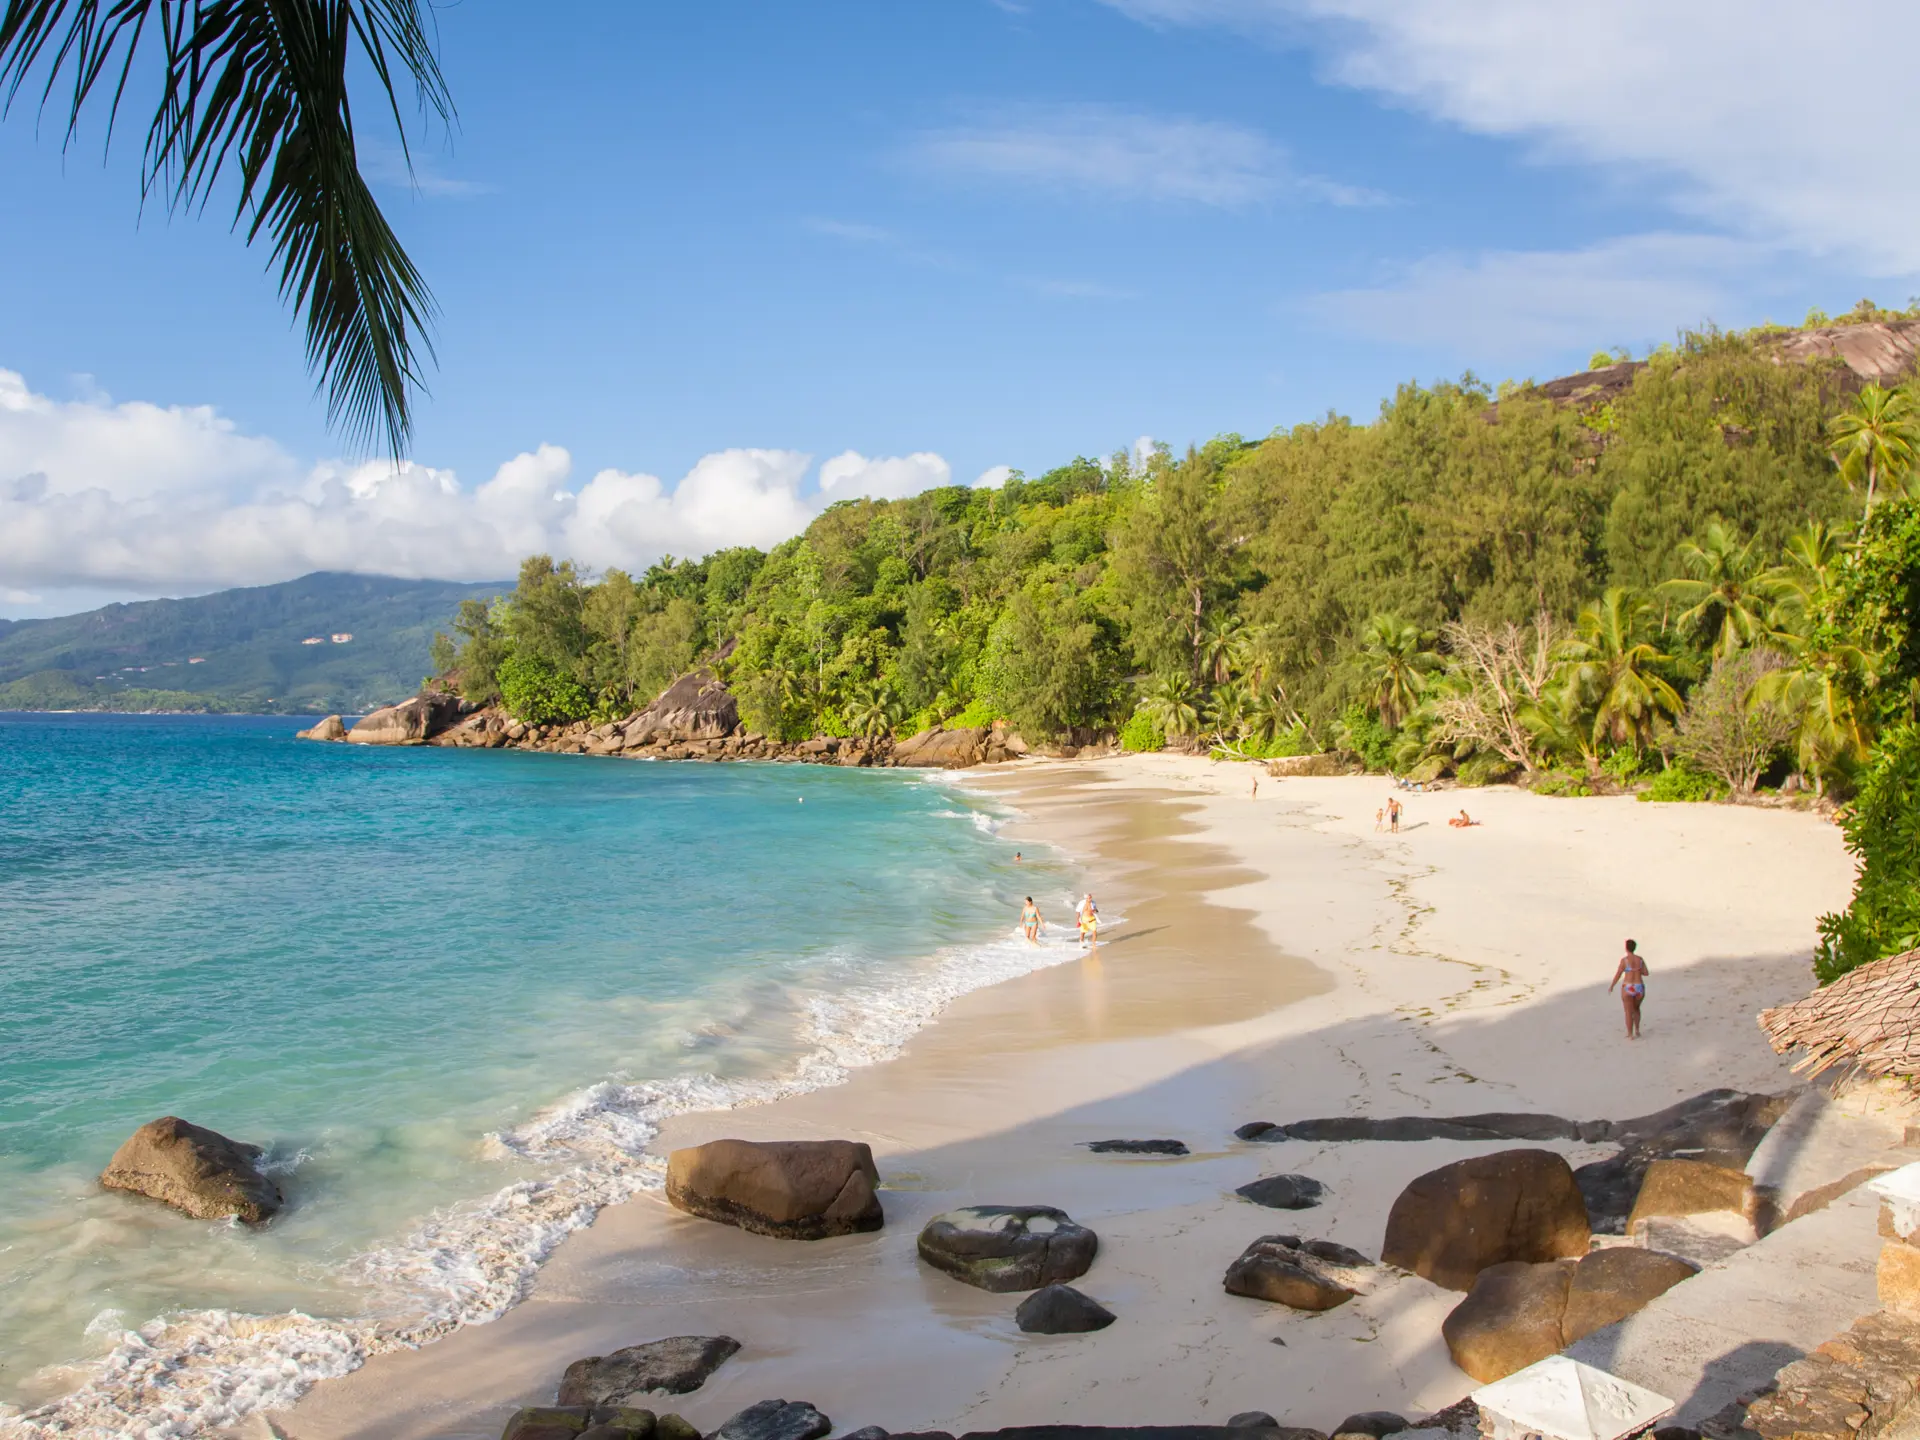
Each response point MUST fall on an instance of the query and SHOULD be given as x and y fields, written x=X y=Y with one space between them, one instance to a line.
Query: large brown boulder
x=1516 y=1314
x=1510 y=1319
x=1612 y=1284
x=331 y=728
x=198 y=1171
x=1516 y=1205
x=1302 y=1275
x=697 y=706
x=411 y=722
x=793 y=1189
x=1692 y=1187
x=941 y=748
x=1008 y=1247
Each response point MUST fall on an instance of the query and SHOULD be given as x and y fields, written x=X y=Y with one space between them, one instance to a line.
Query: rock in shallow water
x=676 y=1366
x=1008 y=1247
x=1284 y=1192
x=1138 y=1147
x=792 y=1189
x=775 y=1420
x=198 y=1171
x=1061 y=1310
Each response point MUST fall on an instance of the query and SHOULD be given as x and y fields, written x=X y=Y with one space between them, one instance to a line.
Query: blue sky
x=702 y=268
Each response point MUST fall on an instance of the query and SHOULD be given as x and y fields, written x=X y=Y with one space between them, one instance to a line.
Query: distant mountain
x=322 y=643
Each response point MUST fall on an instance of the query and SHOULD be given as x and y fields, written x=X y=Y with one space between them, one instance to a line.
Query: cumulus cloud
x=153 y=499
x=1505 y=304
x=850 y=473
x=1112 y=150
x=1730 y=105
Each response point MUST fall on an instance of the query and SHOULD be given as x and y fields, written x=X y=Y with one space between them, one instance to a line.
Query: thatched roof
x=1869 y=1019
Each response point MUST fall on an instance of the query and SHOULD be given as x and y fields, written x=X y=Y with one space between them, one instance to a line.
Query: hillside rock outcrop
x=331 y=728
x=697 y=706
x=197 y=1171
x=411 y=722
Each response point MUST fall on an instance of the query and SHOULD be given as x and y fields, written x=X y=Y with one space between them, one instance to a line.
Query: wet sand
x=1276 y=960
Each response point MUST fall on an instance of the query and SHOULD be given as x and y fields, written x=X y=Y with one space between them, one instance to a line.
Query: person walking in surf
x=1030 y=921
x=1088 y=916
x=1633 y=970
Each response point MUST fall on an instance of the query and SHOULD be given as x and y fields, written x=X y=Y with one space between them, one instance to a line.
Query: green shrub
x=1624 y=765
x=1141 y=734
x=1362 y=732
x=978 y=712
x=1485 y=768
x=1567 y=783
x=1681 y=782
x=538 y=692
x=1883 y=831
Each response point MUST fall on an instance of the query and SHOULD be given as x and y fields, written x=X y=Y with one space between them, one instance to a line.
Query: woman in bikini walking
x=1633 y=970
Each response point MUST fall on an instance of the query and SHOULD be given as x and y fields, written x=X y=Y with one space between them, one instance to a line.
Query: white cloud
x=1498 y=305
x=851 y=473
x=1109 y=150
x=993 y=477
x=148 y=499
x=1754 y=114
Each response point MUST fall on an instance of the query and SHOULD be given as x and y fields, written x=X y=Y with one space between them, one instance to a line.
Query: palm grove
x=1704 y=582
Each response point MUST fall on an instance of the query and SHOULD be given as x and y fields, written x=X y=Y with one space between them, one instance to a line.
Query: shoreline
x=1399 y=993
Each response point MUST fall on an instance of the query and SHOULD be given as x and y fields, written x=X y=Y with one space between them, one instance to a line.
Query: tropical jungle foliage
x=1670 y=584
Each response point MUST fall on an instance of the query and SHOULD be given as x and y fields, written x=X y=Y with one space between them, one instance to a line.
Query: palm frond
x=263 y=83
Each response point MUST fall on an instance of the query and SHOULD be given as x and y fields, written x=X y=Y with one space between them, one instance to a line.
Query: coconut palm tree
x=1229 y=711
x=1169 y=704
x=1800 y=583
x=871 y=712
x=1877 y=437
x=1390 y=665
x=263 y=84
x=1727 y=590
x=1224 y=646
x=1608 y=668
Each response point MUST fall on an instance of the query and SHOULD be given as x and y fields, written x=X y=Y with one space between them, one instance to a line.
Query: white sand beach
x=1274 y=959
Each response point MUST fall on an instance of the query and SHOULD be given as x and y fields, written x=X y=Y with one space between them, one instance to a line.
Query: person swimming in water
x=1030 y=921
x=1633 y=970
x=1088 y=917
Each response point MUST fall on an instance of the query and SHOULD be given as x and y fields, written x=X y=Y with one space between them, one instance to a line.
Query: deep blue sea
x=452 y=991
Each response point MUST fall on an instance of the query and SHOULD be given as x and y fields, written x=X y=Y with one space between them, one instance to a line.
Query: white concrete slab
x=1724 y=1332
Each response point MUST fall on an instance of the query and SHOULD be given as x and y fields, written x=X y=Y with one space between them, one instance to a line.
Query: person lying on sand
x=1030 y=921
x=1462 y=821
x=1633 y=970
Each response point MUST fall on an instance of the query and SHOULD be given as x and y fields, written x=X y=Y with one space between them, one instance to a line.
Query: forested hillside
x=1653 y=575
x=238 y=650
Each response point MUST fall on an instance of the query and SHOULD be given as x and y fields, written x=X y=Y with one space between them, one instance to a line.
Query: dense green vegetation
x=248 y=645
x=1656 y=583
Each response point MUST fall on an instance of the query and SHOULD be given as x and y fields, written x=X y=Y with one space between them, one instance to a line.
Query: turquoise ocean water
x=453 y=992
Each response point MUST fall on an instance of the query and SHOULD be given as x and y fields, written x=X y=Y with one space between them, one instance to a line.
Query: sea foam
x=183 y=1375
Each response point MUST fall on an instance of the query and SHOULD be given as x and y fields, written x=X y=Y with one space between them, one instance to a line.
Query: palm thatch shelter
x=1868 y=1019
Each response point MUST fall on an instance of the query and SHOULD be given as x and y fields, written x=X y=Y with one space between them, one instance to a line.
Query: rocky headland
x=695 y=718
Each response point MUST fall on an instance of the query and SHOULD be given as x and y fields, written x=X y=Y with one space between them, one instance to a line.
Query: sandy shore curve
x=1278 y=959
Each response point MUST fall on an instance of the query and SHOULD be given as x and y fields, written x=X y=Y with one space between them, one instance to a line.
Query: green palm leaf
x=263 y=84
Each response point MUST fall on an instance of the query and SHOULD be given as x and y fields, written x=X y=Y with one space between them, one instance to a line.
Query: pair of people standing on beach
x=1086 y=920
